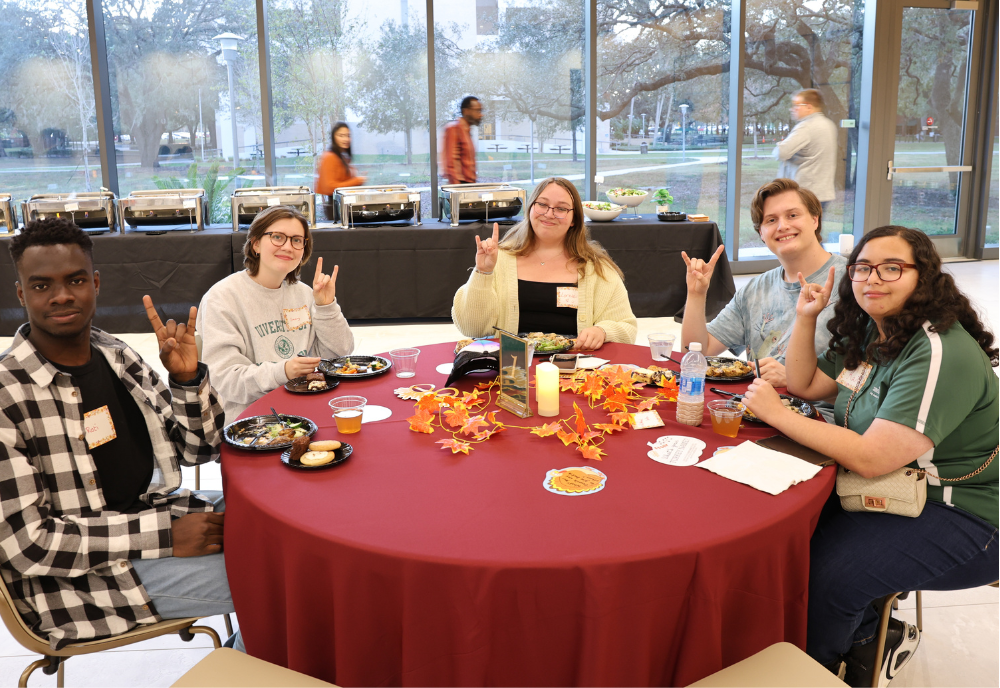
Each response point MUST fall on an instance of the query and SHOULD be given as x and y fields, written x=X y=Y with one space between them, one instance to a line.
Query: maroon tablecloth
x=409 y=565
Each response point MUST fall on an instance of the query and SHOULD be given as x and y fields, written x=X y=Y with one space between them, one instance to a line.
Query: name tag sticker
x=645 y=419
x=567 y=297
x=99 y=427
x=296 y=318
x=854 y=379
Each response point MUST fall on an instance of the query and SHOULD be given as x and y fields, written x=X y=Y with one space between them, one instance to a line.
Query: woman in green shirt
x=910 y=364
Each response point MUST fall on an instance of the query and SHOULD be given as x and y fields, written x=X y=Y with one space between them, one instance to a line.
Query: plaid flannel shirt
x=63 y=555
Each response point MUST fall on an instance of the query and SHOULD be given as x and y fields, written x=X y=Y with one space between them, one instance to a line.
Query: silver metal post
x=102 y=96
x=737 y=46
x=232 y=114
x=266 y=111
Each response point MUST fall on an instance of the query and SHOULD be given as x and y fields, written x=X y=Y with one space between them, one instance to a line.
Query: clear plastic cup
x=661 y=346
x=404 y=361
x=347 y=411
x=726 y=414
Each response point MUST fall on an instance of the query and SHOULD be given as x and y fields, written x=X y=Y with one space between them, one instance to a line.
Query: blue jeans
x=189 y=586
x=858 y=557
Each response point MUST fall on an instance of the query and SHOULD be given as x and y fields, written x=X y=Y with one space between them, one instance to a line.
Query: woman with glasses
x=546 y=275
x=910 y=365
x=262 y=327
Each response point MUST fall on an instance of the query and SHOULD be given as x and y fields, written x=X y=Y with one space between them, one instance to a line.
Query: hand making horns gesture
x=812 y=297
x=699 y=273
x=178 y=351
x=486 y=251
x=324 y=286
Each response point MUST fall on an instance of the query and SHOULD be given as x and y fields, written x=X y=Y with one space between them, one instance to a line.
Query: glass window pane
x=526 y=70
x=358 y=62
x=663 y=103
x=170 y=97
x=790 y=47
x=930 y=117
x=48 y=131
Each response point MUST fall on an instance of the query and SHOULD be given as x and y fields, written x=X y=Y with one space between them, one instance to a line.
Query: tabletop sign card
x=676 y=450
x=579 y=480
x=645 y=419
x=515 y=358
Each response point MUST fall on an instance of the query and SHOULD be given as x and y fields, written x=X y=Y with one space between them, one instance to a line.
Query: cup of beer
x=347 y=411
x=726 y=414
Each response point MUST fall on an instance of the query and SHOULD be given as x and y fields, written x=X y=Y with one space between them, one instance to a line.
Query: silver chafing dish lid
x=163 y=198
x=475 y=192
x=88 y=200
x=273 y=191
x=389 y=193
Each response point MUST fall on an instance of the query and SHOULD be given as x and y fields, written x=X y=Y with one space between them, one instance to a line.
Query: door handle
x=913 y=170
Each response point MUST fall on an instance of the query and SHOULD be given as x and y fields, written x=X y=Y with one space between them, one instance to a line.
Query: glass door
x=927 y=164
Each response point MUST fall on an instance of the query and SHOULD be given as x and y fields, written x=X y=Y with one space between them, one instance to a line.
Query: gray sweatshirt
x=809 y=155
x=248 y=332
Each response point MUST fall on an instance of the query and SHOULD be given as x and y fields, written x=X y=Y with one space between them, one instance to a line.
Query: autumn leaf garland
x=460 y=413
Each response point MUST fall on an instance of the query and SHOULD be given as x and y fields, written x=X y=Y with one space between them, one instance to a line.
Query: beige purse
x=902 y=492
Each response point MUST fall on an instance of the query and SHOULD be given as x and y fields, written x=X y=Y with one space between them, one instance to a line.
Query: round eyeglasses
x=279 y=239
x=887 y=272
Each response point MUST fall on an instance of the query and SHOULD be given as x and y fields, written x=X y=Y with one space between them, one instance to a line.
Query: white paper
x=486 y=197
x=374 y=413
x=761 y=468
x=350 y=200
x=590 y=362
x=676 y=450
x=273 y=200
x=445 y=368
x=72 y=207
x=190 y=203
x=414 y=197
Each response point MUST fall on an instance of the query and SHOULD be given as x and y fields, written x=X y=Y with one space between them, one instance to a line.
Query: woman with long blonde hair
x=546 y=275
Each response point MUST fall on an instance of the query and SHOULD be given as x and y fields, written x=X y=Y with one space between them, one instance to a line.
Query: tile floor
x=961 y=629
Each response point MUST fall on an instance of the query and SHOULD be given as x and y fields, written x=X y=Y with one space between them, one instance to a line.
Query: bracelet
x=481 y=272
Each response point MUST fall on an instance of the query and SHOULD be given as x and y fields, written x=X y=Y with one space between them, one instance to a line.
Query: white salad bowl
x=628 y=201
x=596 y=215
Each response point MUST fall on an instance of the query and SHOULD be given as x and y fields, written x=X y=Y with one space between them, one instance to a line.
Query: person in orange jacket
x=334 y=169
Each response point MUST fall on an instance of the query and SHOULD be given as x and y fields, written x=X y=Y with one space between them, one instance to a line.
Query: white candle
x=846 y=244
x=547 y=389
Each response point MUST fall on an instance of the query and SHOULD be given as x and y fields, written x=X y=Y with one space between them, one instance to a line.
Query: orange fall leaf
x=420 y=422
x=591 y=452
x=456 y=446
x=567 y=437
x=546 y=430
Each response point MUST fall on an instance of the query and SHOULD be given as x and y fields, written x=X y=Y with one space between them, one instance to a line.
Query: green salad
x=601 y=205
x=626 y=192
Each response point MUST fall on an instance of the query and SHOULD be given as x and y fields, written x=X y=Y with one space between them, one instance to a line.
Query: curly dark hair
x=49 y=232
x=936 y=298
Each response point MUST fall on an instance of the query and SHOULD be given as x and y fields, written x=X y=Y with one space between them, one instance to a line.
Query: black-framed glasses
x=557 y=212
x=887 y=272
x=279 y=239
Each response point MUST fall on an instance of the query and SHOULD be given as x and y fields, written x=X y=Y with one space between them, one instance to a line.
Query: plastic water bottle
x=691 y=396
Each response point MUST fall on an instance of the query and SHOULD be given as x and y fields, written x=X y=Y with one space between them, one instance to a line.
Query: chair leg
x=229 y=625
x=197 y=477
x=61 y=675
x=187 y=634
x=37 y=664
x=883 y=627
x=920 y=612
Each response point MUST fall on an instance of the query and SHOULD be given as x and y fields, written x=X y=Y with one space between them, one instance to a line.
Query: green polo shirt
x=941 y=385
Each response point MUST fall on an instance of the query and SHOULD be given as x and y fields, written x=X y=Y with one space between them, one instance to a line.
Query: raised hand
x=699 y=273
x=324 y=286
x=812 y=297
x=486 y=251
x=178 y=351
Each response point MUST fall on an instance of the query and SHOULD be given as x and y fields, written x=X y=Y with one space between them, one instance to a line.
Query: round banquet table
x=410 y=565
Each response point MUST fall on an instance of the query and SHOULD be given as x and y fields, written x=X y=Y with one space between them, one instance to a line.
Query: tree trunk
x=147 y=135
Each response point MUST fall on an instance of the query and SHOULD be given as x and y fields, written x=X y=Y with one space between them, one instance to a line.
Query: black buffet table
x=386 y=272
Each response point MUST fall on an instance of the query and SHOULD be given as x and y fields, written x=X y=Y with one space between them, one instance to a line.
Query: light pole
x=229 y=54
x=684 y=112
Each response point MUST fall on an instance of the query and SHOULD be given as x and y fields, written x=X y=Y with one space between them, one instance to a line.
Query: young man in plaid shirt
x=97 y=537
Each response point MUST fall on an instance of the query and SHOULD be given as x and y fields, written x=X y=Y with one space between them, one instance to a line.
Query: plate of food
x=482 y=344
x=722 y=369
x=547 y=344
x=651 y=376
x=311 y=456
x=313 y=383
x=264 y=433
x=353 y=367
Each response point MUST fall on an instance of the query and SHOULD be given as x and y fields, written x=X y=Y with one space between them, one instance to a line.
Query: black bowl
x=671 y=217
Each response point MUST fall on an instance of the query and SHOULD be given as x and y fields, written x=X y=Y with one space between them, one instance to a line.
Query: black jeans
x=858 y=557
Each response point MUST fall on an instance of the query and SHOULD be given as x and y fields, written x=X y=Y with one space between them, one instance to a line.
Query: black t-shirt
x=124 y=464
x=538 y=312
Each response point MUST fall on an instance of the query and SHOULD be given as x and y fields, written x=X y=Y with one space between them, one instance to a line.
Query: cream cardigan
x=486 y=301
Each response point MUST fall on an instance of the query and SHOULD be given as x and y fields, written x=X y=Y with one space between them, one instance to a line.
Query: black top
x=125 y=464
x=538 y=310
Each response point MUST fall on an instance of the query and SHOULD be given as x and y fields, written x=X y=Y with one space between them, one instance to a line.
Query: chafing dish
x=248 y=202
x=363 y=204
x=163 y=207
x=8 y=216
x=483 y=202
x=91 y=211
